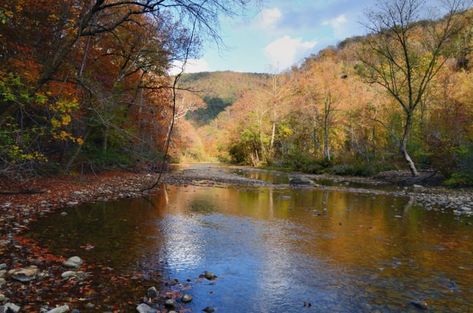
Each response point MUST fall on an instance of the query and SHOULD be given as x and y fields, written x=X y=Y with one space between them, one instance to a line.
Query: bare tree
x=406 y=48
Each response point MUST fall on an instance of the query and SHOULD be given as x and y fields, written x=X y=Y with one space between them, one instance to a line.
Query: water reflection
x=275 y=249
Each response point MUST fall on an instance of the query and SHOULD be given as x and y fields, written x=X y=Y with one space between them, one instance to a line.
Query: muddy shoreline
x=49 y=288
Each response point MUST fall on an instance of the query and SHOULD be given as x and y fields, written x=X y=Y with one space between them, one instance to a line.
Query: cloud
x=192 y=66
x=286 y=51
x=338 y=24
x=268 y=18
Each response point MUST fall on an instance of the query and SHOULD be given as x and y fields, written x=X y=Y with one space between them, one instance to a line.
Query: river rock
x=2 y=282
x=11 y=308
x=60 y=309
x=209 y=309
x=2 y=273
x=209 y=275
x=170 y=304
x=24 y=274
x=2 y=298
x=421 y=305
x=3 y=266
x=69 y=274
x=144 y=308
x=186 y=298
x=301 y=181
x=152 y=293
x=73 y=262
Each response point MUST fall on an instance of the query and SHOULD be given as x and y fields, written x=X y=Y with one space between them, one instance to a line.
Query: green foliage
x=355 y=169
x=219 y=90
x=463 y=174
x=214 y=107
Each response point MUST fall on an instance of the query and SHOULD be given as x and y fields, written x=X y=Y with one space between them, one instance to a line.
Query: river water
x=274 y=250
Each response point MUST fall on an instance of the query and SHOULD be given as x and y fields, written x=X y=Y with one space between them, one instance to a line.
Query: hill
x=219 y=90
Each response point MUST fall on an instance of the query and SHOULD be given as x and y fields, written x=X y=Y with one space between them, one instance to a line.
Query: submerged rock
x=186 y=298
x=24 y=274
x=73 y=262
x=209 y=275
x=209 y=309
x=170 y=304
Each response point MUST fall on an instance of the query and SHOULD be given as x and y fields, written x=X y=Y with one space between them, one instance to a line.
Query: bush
x=358 y=169
x=463 y=173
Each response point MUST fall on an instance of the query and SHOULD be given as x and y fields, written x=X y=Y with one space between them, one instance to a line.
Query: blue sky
x=280 y=33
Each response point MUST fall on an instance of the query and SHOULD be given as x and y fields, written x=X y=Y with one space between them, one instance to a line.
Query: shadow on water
x=273 y=250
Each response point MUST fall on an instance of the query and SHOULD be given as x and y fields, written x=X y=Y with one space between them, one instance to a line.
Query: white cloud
x=268 y=18
x=338 y=24
x=286 y=51
x=192 y=66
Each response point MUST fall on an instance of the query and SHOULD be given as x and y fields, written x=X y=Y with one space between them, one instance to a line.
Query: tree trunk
x=273 y=133
x=326 y=139
x=326 y=145
x=404 y=141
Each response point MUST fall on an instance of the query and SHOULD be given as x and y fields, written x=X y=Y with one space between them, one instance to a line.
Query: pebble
x=209 y=275
x=11 y=307
x=144 y=308
x=68 y=274
x=422 y=305
x=186 y=298
x=3 y=266
x=170 y=304
x=73 y=262
x=60 y=309
x=152 y=293
x=2 y=281
x=209 y=309
x=24 y=274
x=2 y=297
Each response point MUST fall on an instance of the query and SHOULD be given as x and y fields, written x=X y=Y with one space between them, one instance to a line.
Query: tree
x=405 y=51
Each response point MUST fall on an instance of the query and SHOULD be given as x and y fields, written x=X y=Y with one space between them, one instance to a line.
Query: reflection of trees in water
x=121 y=231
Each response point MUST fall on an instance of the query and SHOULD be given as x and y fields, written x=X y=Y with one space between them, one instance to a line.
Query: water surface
x=273 y=250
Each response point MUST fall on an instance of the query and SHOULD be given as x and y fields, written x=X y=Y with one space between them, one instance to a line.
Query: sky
x=278 y=34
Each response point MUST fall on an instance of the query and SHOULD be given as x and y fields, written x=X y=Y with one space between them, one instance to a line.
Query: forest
x=86 y=87
x=397 y=99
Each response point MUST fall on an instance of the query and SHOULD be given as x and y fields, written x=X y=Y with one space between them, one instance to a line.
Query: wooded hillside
x=364 y=106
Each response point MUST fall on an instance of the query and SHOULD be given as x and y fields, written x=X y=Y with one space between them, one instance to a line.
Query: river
x=279 y=249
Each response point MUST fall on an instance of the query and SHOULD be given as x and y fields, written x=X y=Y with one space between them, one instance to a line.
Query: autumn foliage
x=330 y=114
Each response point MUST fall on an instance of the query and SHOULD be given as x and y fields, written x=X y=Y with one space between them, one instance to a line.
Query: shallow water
x=273 y=250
